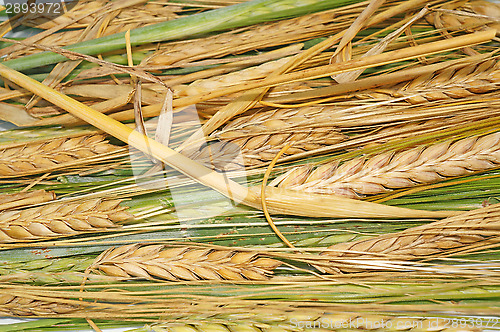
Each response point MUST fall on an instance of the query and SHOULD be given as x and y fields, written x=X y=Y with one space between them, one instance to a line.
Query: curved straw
x=263 y=197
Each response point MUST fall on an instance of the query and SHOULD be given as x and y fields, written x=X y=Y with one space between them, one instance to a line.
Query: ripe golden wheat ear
x=431 y=240
x=25 y=307
x=466 y=15
x=259 y=137
x=386 y=171
x=17 y=200
x=54 y=154
x=257 y=37
x=184 y=263
x=61 y=219
x=455 y=82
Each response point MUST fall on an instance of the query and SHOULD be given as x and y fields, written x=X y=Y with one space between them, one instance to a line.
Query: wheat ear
x=430 y=240
x=67 y=29
x=25 y=307
x=259 y=137
x=220 y=81
x=257 y=37
x=184 y=263
x=386 y=171
x=466 y=15
x=454 y=82
x=35 y=158
x=60 y=219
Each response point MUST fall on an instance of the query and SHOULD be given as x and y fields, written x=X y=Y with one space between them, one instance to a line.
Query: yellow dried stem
x=343 y=50
x=184 y=263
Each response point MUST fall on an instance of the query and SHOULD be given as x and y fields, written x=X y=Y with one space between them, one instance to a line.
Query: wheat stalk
x=46 y=156
x=431 y=240
x=184 y=263
x=205 y=313
x=263 y=302
x=388 y=170
x=60 y=219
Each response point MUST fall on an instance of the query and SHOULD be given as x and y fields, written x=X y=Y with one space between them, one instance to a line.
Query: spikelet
x=425 y=241
x=60 y=219
x=35 y=158
x=386 y=171
x=216 y=82
x=184 y=263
